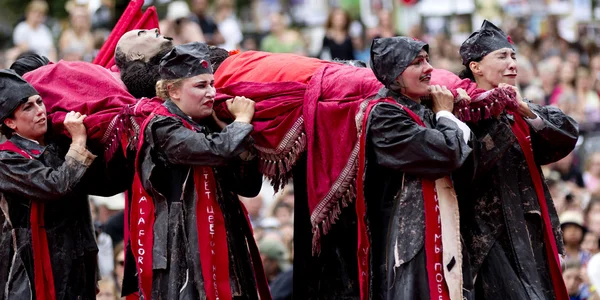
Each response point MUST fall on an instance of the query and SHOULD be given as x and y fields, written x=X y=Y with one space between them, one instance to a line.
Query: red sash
x=212 y=235
x=438 y=289
x=522 y=133
x=42 y=268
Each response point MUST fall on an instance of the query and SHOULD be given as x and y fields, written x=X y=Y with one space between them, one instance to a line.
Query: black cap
x=14 y=91
x=184 y=61
x=28 y=62
x=488 y=39
x=391 y=56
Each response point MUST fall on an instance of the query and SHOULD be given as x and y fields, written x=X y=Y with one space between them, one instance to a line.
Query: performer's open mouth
x=425 y=78
x=42 y=121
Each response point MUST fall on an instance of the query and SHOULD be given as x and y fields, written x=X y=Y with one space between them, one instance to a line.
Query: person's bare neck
x=482 y=84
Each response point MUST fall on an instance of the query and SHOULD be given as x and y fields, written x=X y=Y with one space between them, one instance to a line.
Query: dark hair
x=329 y=21
x=6 y=131
x=217 y=56
x=466 y=73
x=27 y=62
x=120 y=58
x=140 y=77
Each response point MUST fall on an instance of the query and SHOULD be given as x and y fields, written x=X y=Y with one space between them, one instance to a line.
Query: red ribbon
x=522 y=133
x=433 y=230
x=212 y=237
x=42 y=267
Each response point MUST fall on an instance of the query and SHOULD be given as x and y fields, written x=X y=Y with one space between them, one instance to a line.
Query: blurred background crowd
x=558 y=44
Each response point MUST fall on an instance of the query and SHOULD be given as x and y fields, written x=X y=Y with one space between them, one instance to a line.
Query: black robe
x=169 y=150
x=501 y=220
x=400 y=153
x=62 y=183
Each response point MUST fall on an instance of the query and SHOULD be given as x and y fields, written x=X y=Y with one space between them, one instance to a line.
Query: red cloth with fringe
x=301 y=105
x=82 y=87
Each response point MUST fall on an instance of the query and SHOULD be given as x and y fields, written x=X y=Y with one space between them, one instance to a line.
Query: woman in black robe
x=400 y=155
x=47 y=244
x=508 y=219
x=189 y=232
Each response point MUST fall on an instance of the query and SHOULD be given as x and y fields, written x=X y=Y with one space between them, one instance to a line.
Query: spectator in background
x=254 y=207
x=282 y=39
x=77 y=38
x=386 y=26
x=591 y=176
x=571 y=224
x=573 y=280
x=283 y=212
x=210 y=30
x=275 y=257
x=592 y=215
x=337 y=43
x=107 y=290
x=588 y=102
x=105 y=244
x=228 y=25
x=548 y=78
x=108 y=206
x=569 y=171
x=104 y=17
x=362 y=47
x=287 y=235
x=119 y=261
x=250 y=43
x=179 y=26
x=564 y=92
x=593 y=272
x=32 y=34
x=591 y=242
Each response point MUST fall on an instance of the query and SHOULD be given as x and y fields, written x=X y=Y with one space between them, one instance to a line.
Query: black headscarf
x=487 y=39
x=184 y=61
x=14 y=91
x=27 y=62
x=391 y=56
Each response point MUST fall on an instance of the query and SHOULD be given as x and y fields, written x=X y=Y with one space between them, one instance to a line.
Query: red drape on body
x=307 y=109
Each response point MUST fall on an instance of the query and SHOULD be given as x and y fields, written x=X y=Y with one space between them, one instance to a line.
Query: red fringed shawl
x=313 y=113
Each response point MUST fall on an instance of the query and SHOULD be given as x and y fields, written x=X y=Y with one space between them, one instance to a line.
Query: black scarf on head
x=391 y=56
x=14 y=91
x=487 y=39
x=185 y=61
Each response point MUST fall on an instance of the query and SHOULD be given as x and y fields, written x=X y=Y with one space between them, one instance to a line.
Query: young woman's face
x=195 y=96
x=29 y=120
x=338 y=19
x=590 y=242
x=415 y=78
x=498 y=67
